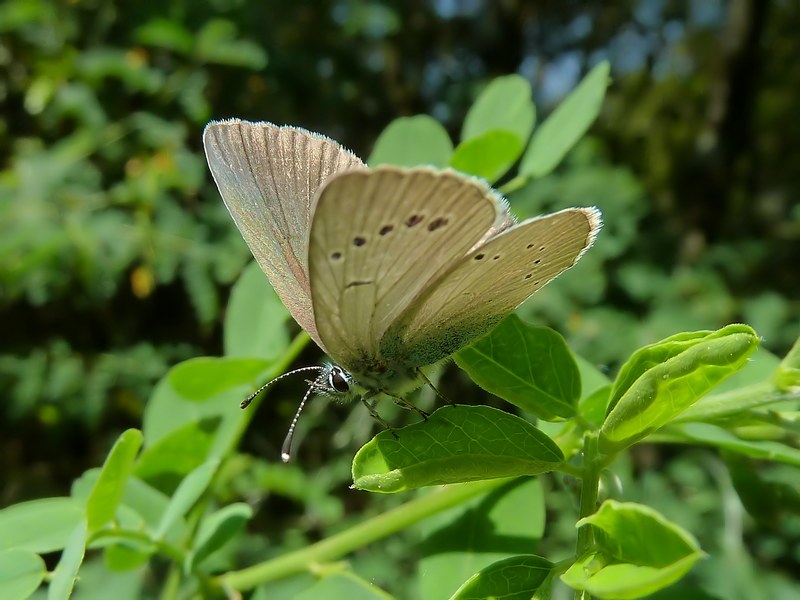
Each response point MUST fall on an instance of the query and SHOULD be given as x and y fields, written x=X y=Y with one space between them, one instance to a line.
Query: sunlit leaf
x=515 y=578
x=39 y=525
x=202 y=378
x=255 y=322
x=411 y=142
x=505 y=103
x=479 y=532
x=661 y=380
x=456 y=444
x=180 y=452
x=566 y=125
x=21 y=572
x=107 y=492
x=66 y=571
x=188 y=492
x=640 y=552
x=488 y=156
x=529 y=366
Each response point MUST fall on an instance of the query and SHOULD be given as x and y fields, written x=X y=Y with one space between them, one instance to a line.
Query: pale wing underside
x=486 y=285
x=267 y=176
x=378 y=238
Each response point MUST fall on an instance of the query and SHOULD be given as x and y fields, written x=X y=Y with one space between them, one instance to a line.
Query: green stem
x=589 y=490
x=341 y=544
x=172 y=584
x=173 y=552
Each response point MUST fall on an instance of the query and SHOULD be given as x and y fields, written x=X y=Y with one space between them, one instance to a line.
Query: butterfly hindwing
x=267 y=176
x=378 y=239
x=487 y=284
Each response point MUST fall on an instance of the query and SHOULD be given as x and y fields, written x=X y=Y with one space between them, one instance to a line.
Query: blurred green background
x=117 y=255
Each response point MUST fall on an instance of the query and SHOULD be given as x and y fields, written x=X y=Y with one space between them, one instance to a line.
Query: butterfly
x=390 y=270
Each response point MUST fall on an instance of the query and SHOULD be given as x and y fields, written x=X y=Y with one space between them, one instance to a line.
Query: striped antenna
x=246 y=402
x=286 y=449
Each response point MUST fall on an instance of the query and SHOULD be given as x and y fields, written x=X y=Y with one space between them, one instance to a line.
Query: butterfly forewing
x=378 y=238
x=267 y=176
x=487 y=284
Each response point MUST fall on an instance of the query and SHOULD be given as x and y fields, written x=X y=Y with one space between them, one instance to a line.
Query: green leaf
x=342 y=585
x=107 y=493
x=180 y=452
x=165 y=33
x=641 y=552
x=633 y=532
x=66 y=571
x=787 y=376
x=650 y=356
x=411 y=142
x=566 y=125
x=199 y=379
x=721 y=407
x=515 y=578
x=711 y=435
x=479 y=532
x=593 y=408
x=529 y=366
x=148 y=503
x=127 y=556
x=504 y=104
x=21 y=572
x=39 y=525
x=168 y=410
x=217 y=528
x=219 y=42
x=255 y=322
x=661 y=380
x=489 y=156
x=592 y=378
x=758 y=370
x=768 y=494
x=456 y=444
x=188 y=492
x=624 y=581
x=749 y=388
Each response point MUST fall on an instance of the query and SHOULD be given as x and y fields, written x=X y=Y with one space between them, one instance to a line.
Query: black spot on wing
x=437 y=223
x=358 y=283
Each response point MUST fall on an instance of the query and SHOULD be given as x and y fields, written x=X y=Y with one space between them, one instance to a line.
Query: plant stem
x=172 y=584
x=589 y=490
x=341 y=544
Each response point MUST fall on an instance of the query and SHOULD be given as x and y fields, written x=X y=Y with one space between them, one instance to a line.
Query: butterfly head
x=333 y=381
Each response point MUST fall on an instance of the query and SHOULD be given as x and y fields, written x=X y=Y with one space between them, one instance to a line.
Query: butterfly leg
x=433 y=387
x=403 y=403
x=370 y=403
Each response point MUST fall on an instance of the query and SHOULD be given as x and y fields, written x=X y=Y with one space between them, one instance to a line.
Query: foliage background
x=117 y=256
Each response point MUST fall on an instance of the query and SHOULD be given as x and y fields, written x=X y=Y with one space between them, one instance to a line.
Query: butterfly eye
x=338 y=380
